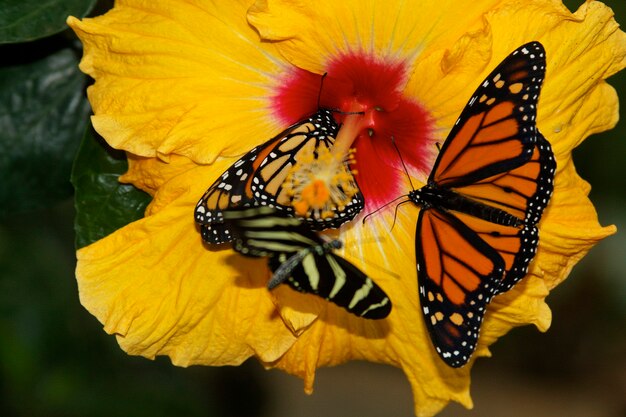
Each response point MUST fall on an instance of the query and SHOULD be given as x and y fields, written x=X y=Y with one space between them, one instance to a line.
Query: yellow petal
x=569 y=228
x=162 y=292
x=188 y=79
x=582 y=50
x=149 y=174
x=443 y=80
x=403 y=29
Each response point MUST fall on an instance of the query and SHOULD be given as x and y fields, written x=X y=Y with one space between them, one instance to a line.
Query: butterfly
x=476 y=231
x=258 y=178
x=300 y=258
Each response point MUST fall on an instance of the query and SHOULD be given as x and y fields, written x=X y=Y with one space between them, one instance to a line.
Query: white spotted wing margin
x=229 y=190
x=304 y=261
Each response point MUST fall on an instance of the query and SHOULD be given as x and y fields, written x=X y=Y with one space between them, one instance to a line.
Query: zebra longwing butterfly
x=305 y=261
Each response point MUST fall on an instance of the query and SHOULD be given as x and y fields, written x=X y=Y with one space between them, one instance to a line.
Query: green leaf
x=26 y=20
x=43 y=113
x=103 y=204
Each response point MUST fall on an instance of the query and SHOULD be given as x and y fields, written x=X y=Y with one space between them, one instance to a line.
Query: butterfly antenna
x=345 y=113
x=402 y=161
x=395 y=213
x=319 y=93
x=382 y=207
x=319 y=99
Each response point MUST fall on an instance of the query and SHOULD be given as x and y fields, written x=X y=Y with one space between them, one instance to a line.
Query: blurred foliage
x=27 y=20
x=43 y=111
x=55 y=360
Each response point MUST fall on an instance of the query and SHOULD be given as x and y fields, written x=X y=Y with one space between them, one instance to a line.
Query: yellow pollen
x=316 y=193
x=320 y=183
x=301 y=208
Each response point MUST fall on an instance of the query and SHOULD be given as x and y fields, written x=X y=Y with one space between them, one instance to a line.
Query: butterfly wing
x=232 y=189
x=523 y=192
x=263 y=231
x=316 y=132
x=458 y=273
x=495 y=155
x=335 y=279
x=257 y=179
x=496 y=131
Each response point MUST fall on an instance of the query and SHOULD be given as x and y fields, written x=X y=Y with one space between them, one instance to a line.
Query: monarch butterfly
x=476 y=231
x=257 y=179
x=302 y=259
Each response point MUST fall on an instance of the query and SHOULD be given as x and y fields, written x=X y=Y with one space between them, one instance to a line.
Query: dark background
x=55 y=359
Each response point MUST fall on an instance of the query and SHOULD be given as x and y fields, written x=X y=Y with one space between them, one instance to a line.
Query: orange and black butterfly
x=476 y=231
x=257 y=179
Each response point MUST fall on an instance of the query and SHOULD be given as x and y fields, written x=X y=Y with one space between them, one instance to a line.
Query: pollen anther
x=320 y=184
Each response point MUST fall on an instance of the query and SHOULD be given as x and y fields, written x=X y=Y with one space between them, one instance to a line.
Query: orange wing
x=495 y=155
x=231 y=189
x=523 y=192
x=496 y=131
x=520 y=191
x=458 y=274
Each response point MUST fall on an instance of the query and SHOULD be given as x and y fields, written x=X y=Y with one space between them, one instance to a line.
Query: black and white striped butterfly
x=257 y=179
x=300 y=258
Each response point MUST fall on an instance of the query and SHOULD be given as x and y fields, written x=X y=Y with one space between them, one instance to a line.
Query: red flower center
x=359 y=82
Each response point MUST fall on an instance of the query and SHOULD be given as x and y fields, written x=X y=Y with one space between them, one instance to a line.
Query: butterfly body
x=300 y=258
x=476 y=232
x=433 y=196
x=287 y=266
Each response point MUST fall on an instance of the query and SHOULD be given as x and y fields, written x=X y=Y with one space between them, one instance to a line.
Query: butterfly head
x=332 y=245
x=416 y=196
x=432 y=195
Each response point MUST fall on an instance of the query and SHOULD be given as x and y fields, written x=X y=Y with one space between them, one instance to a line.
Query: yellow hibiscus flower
x=186 y=87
